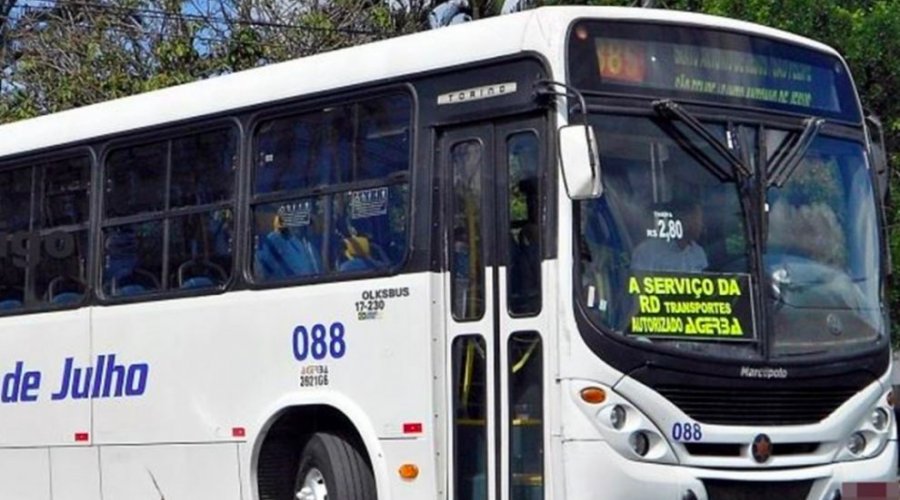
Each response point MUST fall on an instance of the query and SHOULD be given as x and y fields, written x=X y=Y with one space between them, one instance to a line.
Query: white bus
x=368 y=274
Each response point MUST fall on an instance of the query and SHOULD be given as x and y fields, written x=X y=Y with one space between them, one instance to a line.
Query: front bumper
x=594 y=471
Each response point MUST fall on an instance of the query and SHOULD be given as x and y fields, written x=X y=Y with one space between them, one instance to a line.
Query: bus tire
x=332 y=468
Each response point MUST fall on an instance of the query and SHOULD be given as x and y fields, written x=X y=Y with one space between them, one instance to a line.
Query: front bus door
x=493 y=180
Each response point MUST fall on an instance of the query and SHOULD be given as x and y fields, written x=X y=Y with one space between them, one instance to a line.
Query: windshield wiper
x=783 y=165
x=669 y=108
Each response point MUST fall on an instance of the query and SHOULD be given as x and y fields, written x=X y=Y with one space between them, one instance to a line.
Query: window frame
x=234 y=202
x=251 y=200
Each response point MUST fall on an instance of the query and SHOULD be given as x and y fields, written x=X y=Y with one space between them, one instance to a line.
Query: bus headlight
x=617 y=417
x=880 y=419
x=639 y=442
x=857 y=443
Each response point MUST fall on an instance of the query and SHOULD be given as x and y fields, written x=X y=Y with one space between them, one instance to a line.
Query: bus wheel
x=333 y=469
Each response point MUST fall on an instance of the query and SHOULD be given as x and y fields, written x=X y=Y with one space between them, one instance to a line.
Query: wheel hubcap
x=313 y=487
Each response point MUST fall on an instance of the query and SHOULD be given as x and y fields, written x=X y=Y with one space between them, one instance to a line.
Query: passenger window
x=135 y=180
x=383 y=137
x=133 y=259
x=304 y=152
x=45 y=211
x=200 y=249
x=321 y=220
x=371 y=224
x=183 y=238
x=61 y=277
x=289 y=239
x=203 y=168
x=15 y=199
x=67 y=187
x=15 y=220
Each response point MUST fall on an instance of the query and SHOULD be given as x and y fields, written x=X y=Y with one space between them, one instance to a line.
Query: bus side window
x=371 y=224
x=61 y=274
x=288 y=239
x=383 y=137
x=15 y=214
x=304 y=151
x=133 y=261
x=200 y=244
x=190 y=249
x=203 y=168
x=44 y=214
x=135 y=180
x=200 y=249
x=332 y=190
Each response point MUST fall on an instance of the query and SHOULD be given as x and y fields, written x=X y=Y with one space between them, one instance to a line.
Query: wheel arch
x=276 y=448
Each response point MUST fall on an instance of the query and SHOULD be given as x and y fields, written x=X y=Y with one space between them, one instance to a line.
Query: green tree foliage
x=61 y=54
x=75 y=53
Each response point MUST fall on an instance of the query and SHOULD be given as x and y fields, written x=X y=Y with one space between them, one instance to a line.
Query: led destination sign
x=694 y=306
x=713 y=71
x=691 y=63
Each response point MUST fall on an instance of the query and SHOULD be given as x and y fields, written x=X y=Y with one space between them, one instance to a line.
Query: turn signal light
x=593 y=395
x=409 y=471
x=891 y=399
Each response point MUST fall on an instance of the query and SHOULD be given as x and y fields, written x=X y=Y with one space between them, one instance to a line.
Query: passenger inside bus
x=285 y=253
x=358 y=255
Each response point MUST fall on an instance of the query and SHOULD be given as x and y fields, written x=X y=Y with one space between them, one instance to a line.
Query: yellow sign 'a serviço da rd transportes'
x=691 y=305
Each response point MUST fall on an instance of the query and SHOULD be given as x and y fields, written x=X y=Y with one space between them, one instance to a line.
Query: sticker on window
x=666 y=226
x=295 y=214
x=368 y=203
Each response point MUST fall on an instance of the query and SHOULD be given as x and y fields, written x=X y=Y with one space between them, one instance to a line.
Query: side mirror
x=879 y=157
x=580 y=162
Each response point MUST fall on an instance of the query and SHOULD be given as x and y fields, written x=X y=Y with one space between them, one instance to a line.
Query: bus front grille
x=718 y=489
x=746 y=406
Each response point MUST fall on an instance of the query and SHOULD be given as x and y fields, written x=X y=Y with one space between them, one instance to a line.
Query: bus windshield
x=821 y=253
x=666 y=254
x=669 y=226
